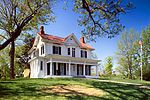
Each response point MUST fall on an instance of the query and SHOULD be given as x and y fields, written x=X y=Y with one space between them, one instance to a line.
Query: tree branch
x=18 y=30
x=3 y=36
x=86 y=7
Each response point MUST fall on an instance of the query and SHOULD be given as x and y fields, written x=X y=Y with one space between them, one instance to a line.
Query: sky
x=66 y=23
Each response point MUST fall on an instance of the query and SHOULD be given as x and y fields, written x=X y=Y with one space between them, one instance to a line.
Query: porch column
x=84 y=69
x=57 y=68
x=69 y=68
x=96 y=70
x=51 y=66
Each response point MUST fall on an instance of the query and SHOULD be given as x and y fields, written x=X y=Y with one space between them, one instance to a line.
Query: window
x=56 y=50
x=42 y=49
x=73 y=52
x=83 y=54
x=41 y=65
x=68 y=51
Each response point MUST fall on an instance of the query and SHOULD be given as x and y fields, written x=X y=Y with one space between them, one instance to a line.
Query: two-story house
x=53 y=56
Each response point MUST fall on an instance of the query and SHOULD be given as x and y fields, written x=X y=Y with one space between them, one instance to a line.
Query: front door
x=79 y=69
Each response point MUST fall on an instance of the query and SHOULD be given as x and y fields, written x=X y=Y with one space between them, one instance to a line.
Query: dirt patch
x=73 y=89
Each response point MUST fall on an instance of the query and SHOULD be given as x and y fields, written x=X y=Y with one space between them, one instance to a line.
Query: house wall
x=35 y=66
x=64 y=50
x=89 y=54
x=48 y=49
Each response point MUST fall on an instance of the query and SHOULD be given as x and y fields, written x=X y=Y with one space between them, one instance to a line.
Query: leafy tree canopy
x=128 y=53
x=109 y=65
x=101 y=17
x=23 y=15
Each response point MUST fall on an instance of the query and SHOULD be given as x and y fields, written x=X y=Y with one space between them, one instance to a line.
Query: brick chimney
x=82 y=40
x=42 y=30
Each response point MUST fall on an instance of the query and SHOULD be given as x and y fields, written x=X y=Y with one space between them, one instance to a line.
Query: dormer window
x=83 y=54
x=42 y=49
x=57 y=50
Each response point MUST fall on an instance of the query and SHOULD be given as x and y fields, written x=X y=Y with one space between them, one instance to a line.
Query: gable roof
x=75 y=39
x=60 y=40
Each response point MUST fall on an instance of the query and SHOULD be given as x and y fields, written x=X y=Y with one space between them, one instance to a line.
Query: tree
x=108 y=66
x=21 y=15
x=94 y=55
x=18 y=16
x=101 y=17
x=122 y=68
x=22 y=51
x=4 y=63
x=128 y=53
x=146 y=53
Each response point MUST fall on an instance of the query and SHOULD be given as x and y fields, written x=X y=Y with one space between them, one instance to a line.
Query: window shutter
x=43 y=49
x=54 y=64
x=85 y=54
x=41 y=65
x=81 y=54
x=77 y=69
x=64 y=68
x=68 y=51
x=74 y=52
x=53 y=49
x=59 y=50
x=48 y=68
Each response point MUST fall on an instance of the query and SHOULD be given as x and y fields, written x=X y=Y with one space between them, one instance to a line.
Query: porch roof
x=67 y=59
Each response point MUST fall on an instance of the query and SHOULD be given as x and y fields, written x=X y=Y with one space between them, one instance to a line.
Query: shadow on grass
x=31 y=87
x=122 y=91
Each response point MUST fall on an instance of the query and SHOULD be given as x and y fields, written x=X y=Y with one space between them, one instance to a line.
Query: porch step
x=79 y=76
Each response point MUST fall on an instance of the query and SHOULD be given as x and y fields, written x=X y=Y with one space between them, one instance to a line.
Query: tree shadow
x=122 y=91
x=32 y=88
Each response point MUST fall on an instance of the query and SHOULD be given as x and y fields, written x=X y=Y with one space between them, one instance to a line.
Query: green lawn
x=44 y=89
x=116 y=78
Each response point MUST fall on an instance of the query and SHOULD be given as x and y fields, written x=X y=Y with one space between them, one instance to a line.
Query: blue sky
x=66 y=23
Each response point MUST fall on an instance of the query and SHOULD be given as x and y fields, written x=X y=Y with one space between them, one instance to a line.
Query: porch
x=74 y=67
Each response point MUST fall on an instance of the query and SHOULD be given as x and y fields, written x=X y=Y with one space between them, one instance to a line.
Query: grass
x=119 y=79
x=73 y=88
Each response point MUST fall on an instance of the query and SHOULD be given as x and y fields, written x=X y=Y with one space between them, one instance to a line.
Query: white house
x=53 y=56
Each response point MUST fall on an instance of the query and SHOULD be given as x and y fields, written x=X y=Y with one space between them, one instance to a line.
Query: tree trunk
x=130 y=72
x=12 y=54
x=130 y=67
